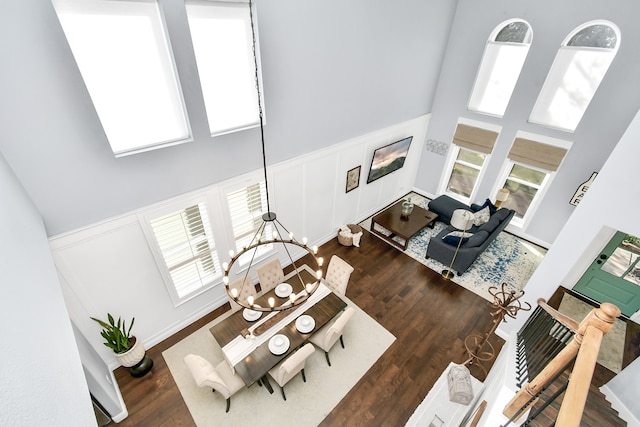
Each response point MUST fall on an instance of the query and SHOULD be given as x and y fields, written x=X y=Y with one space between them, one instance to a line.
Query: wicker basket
x=348 y=241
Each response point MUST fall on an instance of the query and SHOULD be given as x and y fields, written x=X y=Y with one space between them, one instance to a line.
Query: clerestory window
x=122 y=52
x=578 y=69
x=222 y=41
x=502 y=62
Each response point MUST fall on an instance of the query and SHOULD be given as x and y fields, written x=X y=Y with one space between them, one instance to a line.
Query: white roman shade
x=474 y=138
x=544 y=156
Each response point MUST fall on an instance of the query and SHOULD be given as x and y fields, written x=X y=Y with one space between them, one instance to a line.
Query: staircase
x=597 y=411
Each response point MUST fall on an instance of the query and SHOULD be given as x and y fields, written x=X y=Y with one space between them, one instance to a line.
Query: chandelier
x=279 y=237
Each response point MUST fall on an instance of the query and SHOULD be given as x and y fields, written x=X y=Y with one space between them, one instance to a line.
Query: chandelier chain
x=260 y=114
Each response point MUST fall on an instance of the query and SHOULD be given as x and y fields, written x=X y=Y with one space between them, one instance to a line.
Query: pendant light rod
x=270 y=216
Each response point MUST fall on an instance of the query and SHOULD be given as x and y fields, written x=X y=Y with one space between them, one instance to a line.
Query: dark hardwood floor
x=429 y=316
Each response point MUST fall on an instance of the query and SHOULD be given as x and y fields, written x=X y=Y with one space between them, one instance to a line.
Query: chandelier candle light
x=280 y=236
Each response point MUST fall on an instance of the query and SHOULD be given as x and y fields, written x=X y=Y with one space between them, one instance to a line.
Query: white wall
x=610 y=112
x=611 y=203
x=332 y=71
x=41 y=376
x=108 y=267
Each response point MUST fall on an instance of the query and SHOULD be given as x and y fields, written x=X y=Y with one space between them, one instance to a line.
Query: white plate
x=251 y=315
x=305 y=323
x=283 y=290
x=279 y=344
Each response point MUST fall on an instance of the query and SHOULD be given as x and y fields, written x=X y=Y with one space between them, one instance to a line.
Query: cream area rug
x=507 y=259
x=307 y=403
x=612 y=346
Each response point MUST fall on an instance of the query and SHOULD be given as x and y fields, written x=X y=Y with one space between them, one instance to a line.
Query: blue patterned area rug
x=507 y=259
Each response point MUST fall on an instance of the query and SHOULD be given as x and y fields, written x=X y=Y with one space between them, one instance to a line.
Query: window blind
x=186 y=243
x=537 y=154
x=246 y=207
x=474 y=138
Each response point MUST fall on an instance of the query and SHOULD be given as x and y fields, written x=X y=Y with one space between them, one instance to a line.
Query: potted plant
x=127 y=349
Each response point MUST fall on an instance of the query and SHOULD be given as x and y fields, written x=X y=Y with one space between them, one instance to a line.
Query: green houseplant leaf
x=116 y=335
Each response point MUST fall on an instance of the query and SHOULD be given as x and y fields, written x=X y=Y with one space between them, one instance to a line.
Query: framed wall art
x=353 y=178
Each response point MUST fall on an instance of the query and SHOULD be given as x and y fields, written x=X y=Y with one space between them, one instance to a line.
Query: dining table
x=245 y=343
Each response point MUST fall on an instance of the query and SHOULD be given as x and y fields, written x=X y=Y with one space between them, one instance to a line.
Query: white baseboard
x=616 y=404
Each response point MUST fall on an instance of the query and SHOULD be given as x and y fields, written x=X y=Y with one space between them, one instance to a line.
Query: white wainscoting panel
x=108 y=267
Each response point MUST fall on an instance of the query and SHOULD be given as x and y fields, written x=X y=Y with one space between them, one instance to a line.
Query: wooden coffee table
x=405 y=228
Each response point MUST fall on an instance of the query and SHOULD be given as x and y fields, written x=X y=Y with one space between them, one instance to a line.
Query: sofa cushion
x=490 y=225
x=501 y=214
x=481 y=217
x=477 y=239
x=487 y=204
x=444 y=206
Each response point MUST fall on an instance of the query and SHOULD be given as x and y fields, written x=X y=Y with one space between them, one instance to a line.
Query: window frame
x=452 y=156
x=114 y=125
x=509 y=163
x=448 y=171
x=562 y=63
x=489 y=65
x=173 y=206
x=535 y=202
x=208 y=100
x=232 y=186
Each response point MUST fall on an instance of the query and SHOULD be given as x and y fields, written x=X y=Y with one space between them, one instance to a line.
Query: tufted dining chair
x=270 y=275
x=327 y=336
x=338 y=273
x=243 y=291
x=219 y=378
x=283 y=372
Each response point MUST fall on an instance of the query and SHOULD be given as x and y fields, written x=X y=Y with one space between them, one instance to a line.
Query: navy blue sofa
x=469 y=251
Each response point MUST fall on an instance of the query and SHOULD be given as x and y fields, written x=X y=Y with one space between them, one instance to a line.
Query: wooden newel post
x=601 y=319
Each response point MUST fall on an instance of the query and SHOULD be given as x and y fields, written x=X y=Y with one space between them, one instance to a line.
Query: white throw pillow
x=481 y=217
x=458 y=234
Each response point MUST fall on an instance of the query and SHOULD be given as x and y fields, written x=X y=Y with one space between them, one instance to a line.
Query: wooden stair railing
x=584 y=347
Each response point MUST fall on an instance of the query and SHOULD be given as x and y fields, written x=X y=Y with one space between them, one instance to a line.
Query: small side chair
x=338 y=274
x=244 y=291
x=327 y=336
x=289 y=368
x=219 y=378
x=270 y=275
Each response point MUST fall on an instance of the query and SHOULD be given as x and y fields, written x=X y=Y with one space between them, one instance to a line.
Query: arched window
x=580 y=65
x=503 y=58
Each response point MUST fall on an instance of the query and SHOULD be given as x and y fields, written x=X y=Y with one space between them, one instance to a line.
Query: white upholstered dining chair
x=327 y=336
x=283 y=372
x=338 y=273
x=244 y=291
x=270 y=275
x=219 y=378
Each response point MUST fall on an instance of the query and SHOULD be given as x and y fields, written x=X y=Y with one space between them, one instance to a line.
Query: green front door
x=614 y=276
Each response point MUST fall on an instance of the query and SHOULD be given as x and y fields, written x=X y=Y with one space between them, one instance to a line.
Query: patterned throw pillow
x=481 y=217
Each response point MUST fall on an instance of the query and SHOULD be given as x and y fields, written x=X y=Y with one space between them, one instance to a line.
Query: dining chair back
x=270 y=275
x=327 y=336
x=338 y=273
x=283 y=372
x=219 y=378
x=245 y=288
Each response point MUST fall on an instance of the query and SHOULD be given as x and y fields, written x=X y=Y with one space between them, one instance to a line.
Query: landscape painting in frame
x=388 y=159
